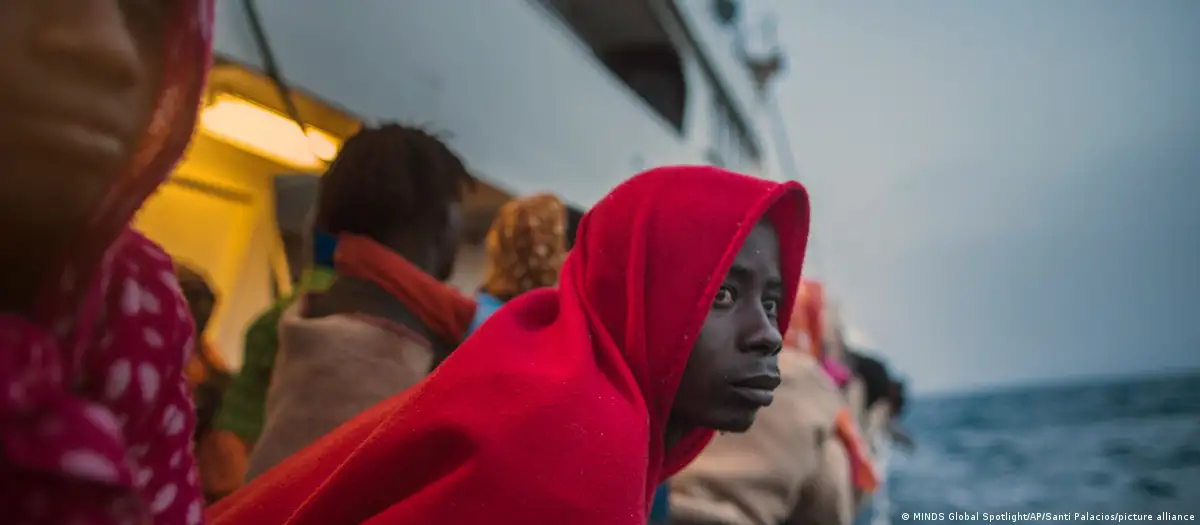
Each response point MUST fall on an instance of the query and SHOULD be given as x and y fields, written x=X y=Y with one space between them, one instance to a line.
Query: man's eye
x=772 y=307
x=724 y=297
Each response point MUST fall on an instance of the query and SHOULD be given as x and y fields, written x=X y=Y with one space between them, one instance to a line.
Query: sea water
x=1087 y=451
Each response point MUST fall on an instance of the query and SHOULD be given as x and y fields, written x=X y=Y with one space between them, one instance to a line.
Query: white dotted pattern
x=139 y=401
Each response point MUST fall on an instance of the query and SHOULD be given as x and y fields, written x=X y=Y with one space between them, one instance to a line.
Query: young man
x=391 y=200
x=391 y=164
x=571 y=405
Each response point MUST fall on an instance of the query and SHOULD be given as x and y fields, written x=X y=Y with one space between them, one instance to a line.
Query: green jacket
x=244 y=406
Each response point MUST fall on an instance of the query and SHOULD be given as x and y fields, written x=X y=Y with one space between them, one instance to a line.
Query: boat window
x=630 y=41
x=730 y=142
x=655 y=73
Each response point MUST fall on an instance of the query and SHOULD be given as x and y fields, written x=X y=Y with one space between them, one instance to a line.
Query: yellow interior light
x=263 y=131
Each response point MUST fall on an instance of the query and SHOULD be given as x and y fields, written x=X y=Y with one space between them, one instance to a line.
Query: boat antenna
x=765 y=68
x=271 y=65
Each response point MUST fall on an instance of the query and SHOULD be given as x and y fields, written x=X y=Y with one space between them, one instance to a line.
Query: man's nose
x=761 y=335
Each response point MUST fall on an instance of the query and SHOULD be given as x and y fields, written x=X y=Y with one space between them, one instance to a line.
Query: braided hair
x=389 y=178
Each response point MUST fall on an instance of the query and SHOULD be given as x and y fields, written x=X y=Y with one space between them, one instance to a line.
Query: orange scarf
x=440 y=307
x=861 y=469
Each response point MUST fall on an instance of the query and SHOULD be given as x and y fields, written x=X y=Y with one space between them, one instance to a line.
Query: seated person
x=392 y=198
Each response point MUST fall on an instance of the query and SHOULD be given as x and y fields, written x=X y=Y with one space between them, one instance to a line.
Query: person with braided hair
x=525 y=247
x=390 y=204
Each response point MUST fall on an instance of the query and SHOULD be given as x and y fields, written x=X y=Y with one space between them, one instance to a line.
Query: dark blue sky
x=1004 y=191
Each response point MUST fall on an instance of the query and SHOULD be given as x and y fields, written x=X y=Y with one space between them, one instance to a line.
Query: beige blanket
x=827 y=497
x=759 y=477
x=329 y=370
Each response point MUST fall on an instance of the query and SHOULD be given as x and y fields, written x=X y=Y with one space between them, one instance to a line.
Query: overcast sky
x=1004 y=191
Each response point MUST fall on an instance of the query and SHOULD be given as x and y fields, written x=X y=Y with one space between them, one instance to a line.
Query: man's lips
x=759 y=382
x=757 y=389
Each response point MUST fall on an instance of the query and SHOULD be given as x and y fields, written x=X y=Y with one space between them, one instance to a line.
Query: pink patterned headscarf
x=95 y=417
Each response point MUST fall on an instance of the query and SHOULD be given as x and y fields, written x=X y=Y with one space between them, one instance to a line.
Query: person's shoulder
x=533 y=365
x=262 y=334
x=145 y=332
x=143 y=290
x=269 y=318
x=804 y=368
x=132 y=239
x=562 y=427
x=542 y=386
x=809 y=386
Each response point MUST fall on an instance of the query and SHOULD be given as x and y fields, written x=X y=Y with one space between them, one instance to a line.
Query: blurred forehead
x=759 y=255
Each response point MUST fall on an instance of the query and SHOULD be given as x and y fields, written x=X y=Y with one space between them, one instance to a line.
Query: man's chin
x=735 y=422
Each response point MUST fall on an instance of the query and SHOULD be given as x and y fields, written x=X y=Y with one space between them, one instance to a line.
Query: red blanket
x=554 y=410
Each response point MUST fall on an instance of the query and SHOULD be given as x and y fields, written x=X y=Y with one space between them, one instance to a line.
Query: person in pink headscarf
x=99 y=99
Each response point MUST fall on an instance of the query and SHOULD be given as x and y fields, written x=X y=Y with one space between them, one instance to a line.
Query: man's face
x=733 y=368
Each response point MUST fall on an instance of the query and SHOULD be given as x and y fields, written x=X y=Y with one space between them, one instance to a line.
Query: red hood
x=554 y=410
x=649 y=262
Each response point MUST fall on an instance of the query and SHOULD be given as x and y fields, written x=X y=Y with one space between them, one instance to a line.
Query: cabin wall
x=216 y=215
x=524 y=103
x=527 y=105
x=736 y=125
x=719 y=47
